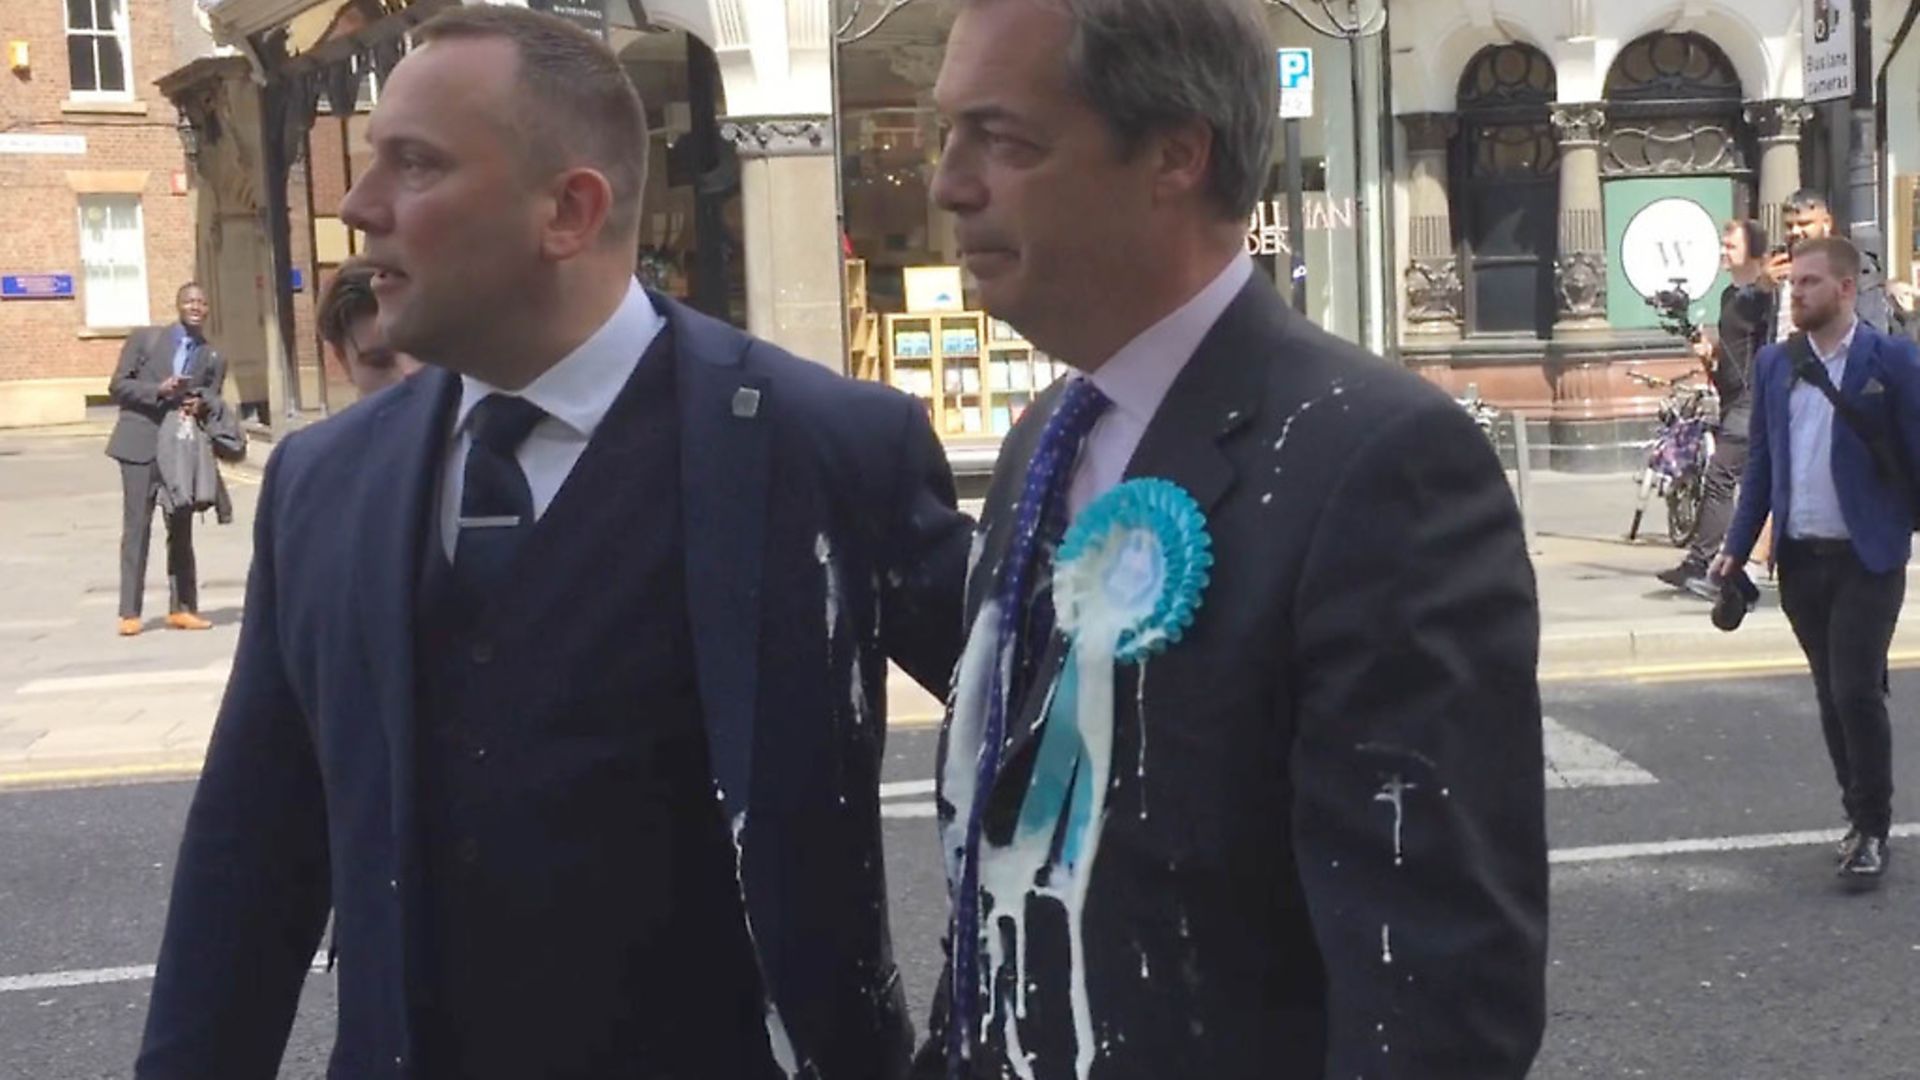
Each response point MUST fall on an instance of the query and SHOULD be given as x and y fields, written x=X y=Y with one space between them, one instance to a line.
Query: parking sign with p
x=1296 y=83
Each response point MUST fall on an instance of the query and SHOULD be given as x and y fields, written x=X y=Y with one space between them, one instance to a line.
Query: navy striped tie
x=1039 y=518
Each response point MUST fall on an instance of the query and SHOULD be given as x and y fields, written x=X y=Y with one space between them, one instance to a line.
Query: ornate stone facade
x=1580 y=278
x=1579 y=123
x=796 y=136
x=1435 y=294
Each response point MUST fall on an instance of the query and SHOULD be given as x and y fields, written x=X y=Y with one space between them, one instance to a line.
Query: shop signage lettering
x=589 y=15
x=26 y=142
x=1267 y=225
x=36 y=286
x=1827 y=36
x=1671 y=240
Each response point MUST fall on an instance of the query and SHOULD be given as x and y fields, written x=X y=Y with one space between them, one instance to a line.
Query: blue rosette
x=1133 y=569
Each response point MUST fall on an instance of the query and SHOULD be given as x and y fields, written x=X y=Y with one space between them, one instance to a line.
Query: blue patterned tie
x=1038 y=518
x=496 y=506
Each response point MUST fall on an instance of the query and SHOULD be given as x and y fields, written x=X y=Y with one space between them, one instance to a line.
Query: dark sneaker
x=1866 y=864
x=1677 y=577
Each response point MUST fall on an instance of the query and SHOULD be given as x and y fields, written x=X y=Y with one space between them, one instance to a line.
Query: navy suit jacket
x=821 y=538
x=1882 y=381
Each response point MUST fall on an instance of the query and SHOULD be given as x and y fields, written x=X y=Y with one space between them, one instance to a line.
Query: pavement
x=78 y=704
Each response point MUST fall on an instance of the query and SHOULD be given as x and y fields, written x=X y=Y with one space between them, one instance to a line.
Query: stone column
x=1779 y=124
x=1580 y=268
x=1435 y=296
x=789 y=208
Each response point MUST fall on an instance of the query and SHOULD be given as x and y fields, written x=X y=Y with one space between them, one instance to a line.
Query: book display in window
x=938 y=358
x=1016 y=374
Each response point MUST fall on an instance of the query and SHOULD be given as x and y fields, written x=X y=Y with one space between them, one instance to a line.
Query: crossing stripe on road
x=1578 y=761
x=1573 y=761
x=214 y=674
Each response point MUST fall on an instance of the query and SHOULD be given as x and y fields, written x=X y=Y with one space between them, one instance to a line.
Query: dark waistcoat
x=581 y=916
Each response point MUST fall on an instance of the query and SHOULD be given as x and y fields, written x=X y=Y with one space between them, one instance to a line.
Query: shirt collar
x=1841 y=350
x=580 y=389
x=1138 y=377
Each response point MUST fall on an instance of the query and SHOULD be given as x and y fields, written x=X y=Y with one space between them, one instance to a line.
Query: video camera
x=1673 y=306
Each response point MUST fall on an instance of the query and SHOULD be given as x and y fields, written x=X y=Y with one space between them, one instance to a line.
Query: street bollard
x=1522 y=474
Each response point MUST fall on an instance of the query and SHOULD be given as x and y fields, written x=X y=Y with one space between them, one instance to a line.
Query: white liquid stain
x=1140 y=712
x=778 y=1041
x=1394 y=793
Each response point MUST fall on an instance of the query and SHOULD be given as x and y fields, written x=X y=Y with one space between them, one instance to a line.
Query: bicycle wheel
x=1683 y=509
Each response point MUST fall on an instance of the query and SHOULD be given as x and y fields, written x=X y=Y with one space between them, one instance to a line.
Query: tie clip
x=503 y=521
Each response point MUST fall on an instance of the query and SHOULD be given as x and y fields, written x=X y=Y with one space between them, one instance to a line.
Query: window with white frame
x=113 y=255
x=97 y=48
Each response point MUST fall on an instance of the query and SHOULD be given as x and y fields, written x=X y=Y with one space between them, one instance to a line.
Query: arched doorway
x=1505 y=163
x=1675 y=162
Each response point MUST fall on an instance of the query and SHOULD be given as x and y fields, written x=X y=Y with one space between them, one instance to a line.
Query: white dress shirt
x=1814 y=510
x=576 y=394
x=1137 y=379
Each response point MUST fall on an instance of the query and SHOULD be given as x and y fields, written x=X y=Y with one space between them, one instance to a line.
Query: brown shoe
x=187 y=620
x=130 y=627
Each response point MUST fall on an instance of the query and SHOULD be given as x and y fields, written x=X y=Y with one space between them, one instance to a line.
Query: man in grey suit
x=161 y=368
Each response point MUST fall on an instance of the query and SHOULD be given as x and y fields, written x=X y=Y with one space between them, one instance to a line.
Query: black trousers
x=1844 y=617
x=140 y=487
x=1729 y=461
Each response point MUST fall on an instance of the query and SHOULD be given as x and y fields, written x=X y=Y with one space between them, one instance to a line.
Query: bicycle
x=1677 y=456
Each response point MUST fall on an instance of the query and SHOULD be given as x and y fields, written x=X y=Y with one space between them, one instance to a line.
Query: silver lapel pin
x=746 y=403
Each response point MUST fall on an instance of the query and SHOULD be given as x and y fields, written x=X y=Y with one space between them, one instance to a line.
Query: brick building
x=96 y=222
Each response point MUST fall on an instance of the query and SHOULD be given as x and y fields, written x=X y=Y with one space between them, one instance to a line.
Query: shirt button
x=393 y=884
x=479 y=753
x=469 y=850
x=482 y=652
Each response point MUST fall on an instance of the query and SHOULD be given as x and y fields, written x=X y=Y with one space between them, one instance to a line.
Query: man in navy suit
x=1839 y=484
x=563 y=670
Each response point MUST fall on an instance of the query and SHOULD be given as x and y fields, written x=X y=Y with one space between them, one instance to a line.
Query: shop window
x=97 y=49
x=1674 y=109
x=1506 y=163
x=113 y=255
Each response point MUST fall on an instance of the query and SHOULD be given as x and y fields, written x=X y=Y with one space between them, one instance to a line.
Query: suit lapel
x=724 y=463
x=1859 y=363
x=1214 y=397
x=412 y=434
x=1217 y=394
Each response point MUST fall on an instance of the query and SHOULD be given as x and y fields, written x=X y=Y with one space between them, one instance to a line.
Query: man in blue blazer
x=1836 y=430
x=562 y=677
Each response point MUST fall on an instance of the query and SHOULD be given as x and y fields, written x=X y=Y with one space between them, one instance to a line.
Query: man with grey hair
x=1310 y=842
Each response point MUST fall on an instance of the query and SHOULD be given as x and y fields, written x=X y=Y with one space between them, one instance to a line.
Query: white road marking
x=53 y=980
x=906 y=787
x=14 y=626
x=1575 y=761
x=908 y=810
x=214 y=674
x=1709 y=846
x=1601 y=853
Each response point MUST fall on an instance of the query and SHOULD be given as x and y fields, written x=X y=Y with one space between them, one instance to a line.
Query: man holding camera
x=162 y=369
x=1745 y=324
x=1836 y=428
x=1807 y=216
